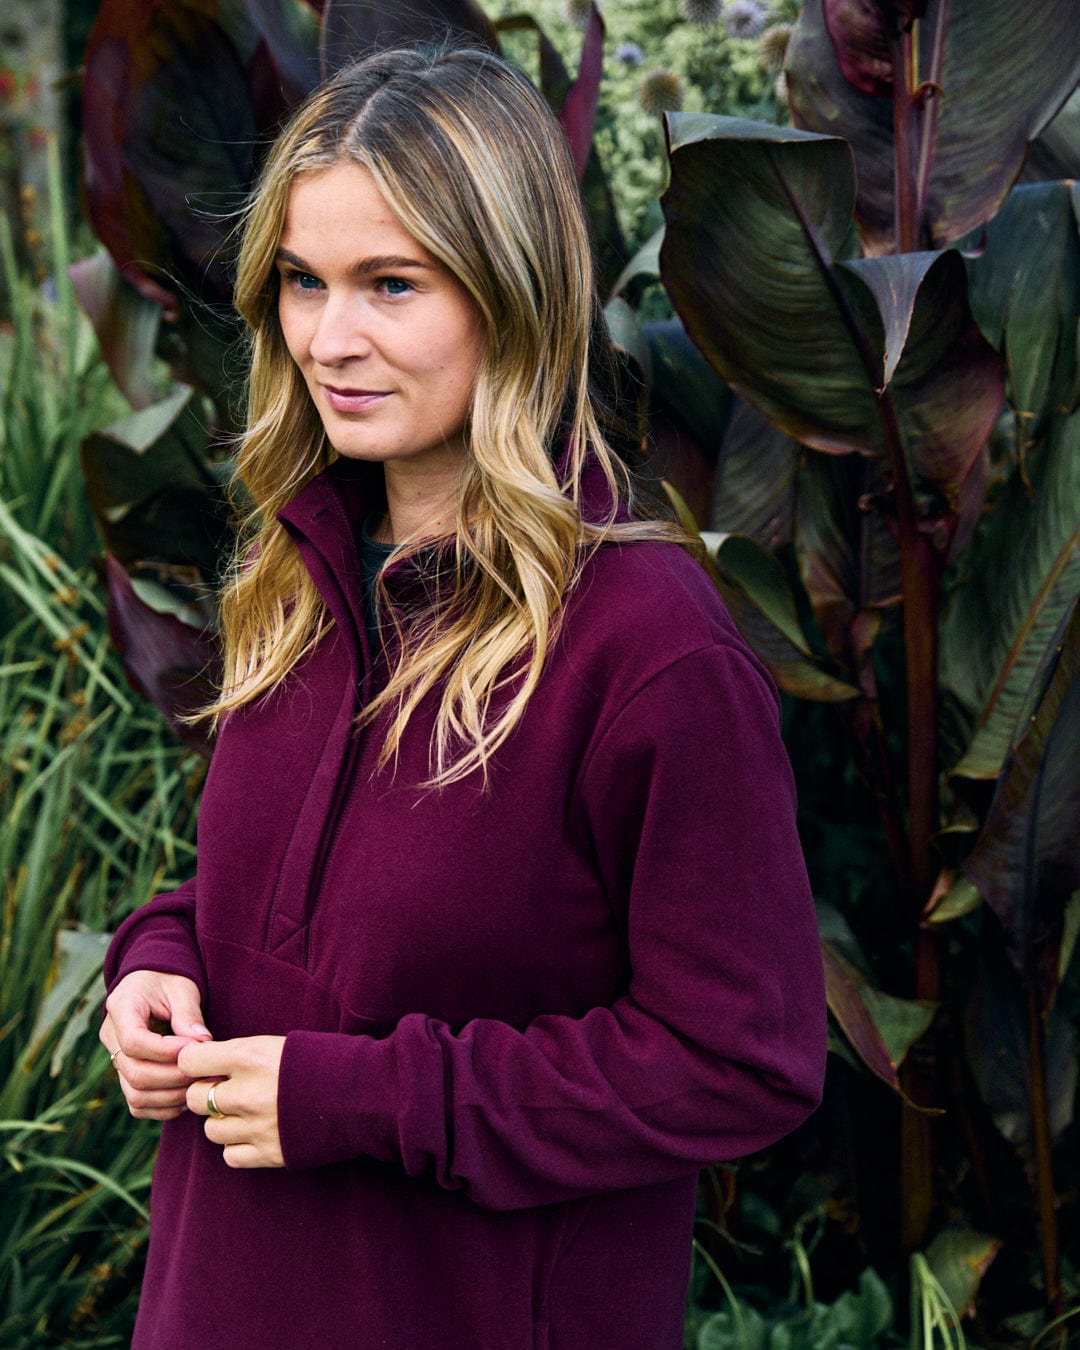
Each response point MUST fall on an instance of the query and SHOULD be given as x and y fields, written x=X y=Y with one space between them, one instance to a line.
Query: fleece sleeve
x=717 y=1048
x=159 y=935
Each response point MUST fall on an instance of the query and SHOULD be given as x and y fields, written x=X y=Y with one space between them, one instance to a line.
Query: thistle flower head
x=774 y=45
x=701 y=12
x=629 y=54
x=660 y=91
x=746 y=18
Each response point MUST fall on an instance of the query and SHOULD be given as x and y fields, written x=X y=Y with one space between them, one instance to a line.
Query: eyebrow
x=366 y=267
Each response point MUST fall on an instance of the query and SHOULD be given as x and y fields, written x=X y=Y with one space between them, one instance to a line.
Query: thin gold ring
x=212 y=1108
x=112 y=1057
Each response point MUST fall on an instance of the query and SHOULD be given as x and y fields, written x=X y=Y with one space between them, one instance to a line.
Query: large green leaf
x=152 y=489
x=998 y=1053
x=880 y=1028
x=1056 y=154
x=763 y=604
x=1024 y=285
x=685 y=382
x=758 y=217
x=290 y=29
x=1019 y=576
x=1026 y=862
x=125 y=324
x=754 y=487
x=1005 y=73
x=848 y=556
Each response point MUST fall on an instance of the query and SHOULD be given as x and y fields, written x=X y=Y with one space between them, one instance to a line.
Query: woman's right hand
x=150 y=1017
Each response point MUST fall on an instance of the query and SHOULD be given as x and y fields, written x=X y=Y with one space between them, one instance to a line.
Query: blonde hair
x=470 y=160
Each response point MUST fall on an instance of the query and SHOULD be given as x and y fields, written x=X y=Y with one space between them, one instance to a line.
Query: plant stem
x=1045 y=1198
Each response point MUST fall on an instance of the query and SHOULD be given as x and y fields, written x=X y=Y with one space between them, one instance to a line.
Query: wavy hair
x=469 y=158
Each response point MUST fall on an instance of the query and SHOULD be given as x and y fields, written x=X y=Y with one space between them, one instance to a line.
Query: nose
x=340 y=330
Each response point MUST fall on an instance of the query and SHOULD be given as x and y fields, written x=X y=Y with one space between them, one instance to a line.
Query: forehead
x=341 y=209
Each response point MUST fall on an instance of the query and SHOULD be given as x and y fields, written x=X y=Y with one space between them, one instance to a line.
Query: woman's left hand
x=243 y=1074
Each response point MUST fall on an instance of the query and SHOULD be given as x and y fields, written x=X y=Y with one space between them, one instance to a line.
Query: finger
x=198 y=1097
x=137 y=1041
x=147 y=1076
x=152 y=1105
x=209 y=1059
x=243 y=1155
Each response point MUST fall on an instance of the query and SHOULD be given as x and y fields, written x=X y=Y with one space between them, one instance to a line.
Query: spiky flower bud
x=774 y=45
x=577 y=12
x=629 y=54
x=746 y=18
x=701 y=12
x=660 y=91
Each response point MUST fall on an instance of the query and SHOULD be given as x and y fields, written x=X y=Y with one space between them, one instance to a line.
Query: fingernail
x=200 y=1030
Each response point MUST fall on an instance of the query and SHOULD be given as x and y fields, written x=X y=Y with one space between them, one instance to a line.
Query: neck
x=421 y=506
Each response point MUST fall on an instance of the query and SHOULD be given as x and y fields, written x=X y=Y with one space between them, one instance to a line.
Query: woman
x=501 y=928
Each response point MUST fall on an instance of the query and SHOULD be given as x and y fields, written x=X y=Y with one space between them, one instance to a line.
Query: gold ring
x=112 y=1057
x=212 y=1108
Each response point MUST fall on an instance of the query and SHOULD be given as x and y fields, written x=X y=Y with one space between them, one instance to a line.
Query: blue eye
x=304 y=281
x=396 y=286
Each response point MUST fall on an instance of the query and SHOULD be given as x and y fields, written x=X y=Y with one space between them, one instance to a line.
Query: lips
x=353 y=400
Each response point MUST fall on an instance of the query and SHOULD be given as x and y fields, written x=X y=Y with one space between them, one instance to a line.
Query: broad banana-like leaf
x=754 y=487
x=686 y=383
x=998 y=1054
x=1022 y=572
x=959 y=1258
x=848 y=556
x=644 y=263
x=168 y=660
x=168 y=113
x=1024 y=286
x=627 y=335
x=554 y=77
x=118 y=208
x=189 y=139
x=125 y=323
x=758 y=217
x=578 y=115
x=352 y=28
x=1056 y=154
x=1026 y=862
x=880 y=1028
x=1004 y=73
x=290 y=29
x=763 y=604
x=152 y=490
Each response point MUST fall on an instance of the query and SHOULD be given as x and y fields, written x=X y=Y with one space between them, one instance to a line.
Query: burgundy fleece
x=518 y=1020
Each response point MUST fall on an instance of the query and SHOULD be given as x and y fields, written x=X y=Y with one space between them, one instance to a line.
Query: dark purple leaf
x=578 y=116
x=172 y=663
x=290 y=29
x=1005 y=73
x=1026 y=862
x=861 y=35
x=353 y=28
x=125 y=322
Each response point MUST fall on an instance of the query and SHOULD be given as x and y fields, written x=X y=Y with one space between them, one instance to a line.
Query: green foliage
x=896 y=504
x=97 y=802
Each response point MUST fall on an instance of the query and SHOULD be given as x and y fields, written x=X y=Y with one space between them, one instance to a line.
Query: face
x=387 y=340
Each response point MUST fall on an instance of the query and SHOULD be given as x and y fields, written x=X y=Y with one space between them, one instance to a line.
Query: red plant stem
x=920 y=576
x=904 y=134
x=1045 y=1199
